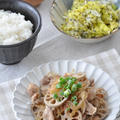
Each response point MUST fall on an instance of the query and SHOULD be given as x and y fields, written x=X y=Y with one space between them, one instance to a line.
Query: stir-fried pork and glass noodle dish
x=68 y=97
x=90 y=19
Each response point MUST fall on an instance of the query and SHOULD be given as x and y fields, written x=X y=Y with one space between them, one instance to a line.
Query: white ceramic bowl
x=21 y=100
x=60 y=7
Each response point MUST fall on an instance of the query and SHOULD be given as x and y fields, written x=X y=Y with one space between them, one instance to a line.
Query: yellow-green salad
x=90 y=19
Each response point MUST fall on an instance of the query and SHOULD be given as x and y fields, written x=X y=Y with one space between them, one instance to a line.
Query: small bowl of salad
x=87 y=21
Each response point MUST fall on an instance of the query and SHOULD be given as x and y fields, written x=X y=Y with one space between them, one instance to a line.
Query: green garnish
x=79 y=85
x=67 y=92
x=59 y=85
x=55 y=96
x=62 y=93
x=73 y=78
x=68 y=78
x=74 y=88
x=62 y=80
x=74 y=98
x=65 y=86
x=68 y=109
x=75 y=103
x=71 y=82
x=68 y=87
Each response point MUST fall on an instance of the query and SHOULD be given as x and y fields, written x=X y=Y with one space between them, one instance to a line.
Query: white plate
x=21 y=100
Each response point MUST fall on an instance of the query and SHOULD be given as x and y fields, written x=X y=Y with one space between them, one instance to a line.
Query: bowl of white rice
x=20 y=24
x=14 y=28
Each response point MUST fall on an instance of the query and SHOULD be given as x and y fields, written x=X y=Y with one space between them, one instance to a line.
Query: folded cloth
x=109 y=61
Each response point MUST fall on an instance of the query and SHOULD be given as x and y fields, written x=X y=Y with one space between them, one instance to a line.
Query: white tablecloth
x=58 y=47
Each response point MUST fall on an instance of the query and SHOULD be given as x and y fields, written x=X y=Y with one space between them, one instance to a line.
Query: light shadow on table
x=57 y=49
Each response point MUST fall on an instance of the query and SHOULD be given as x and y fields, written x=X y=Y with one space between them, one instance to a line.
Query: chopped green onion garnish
x=73 y=78
x=67 y=92
x=69 y=87
x=68 y=78
x=66 y=86
x=79 y=85
x=55 y=96
x=74 y=98
x=68 y=109
x=62 y=80
x=62 y=93
x=75 y=102
x=74 y=88
x=59 y=85
x=71 y=82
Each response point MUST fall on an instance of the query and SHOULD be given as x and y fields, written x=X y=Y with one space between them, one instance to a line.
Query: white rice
x=13 y=28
